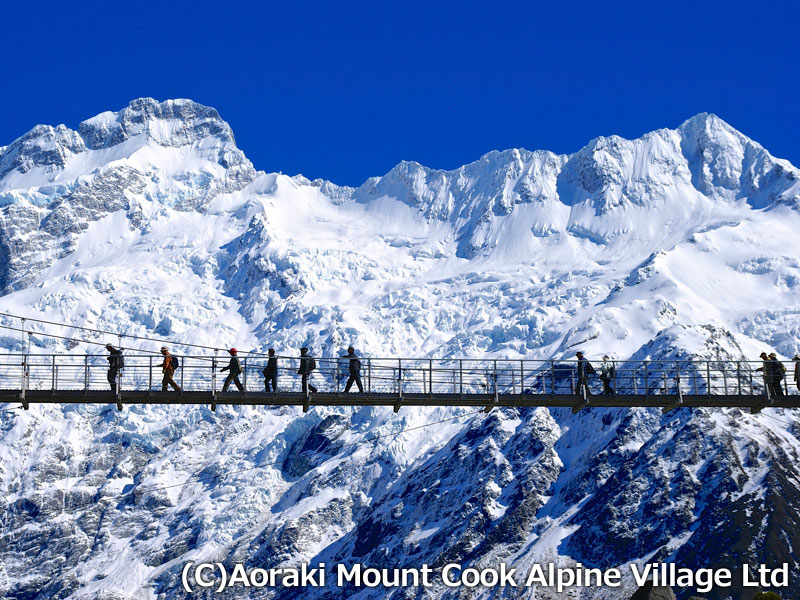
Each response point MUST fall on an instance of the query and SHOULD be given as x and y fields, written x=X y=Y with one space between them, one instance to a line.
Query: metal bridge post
x=614 y=365
x=461 y=377
x=679 y=401
x=53 y=373
x=521 y=377
x=708 y=377
x=399 y=401
x=725 y=378
x=85 y=373
x=214 y=382
x=739 y=377
x=494 y=402
x=244 y=375
x=430 y=377
x=369 y=375
x=552 y=377
x=150 y=371
x=646 y=379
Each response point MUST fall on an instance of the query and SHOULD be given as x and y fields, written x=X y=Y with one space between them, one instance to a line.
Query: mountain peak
x=169 y=123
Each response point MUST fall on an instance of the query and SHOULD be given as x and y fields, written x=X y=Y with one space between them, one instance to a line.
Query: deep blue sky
x=344 y=91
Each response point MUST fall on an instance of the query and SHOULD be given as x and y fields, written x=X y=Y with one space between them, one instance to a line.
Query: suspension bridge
x=396 y=382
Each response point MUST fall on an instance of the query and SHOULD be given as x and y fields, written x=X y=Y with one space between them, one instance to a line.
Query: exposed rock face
x=649 y=592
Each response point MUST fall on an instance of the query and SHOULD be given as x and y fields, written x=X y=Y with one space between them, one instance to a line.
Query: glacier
x=150 y=221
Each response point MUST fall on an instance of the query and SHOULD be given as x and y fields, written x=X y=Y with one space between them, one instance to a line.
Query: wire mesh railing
x=399 y=376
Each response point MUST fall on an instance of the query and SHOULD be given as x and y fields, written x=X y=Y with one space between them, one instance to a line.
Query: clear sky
x=345 y=90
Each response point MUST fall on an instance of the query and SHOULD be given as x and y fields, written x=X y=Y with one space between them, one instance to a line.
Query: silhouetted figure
x=584 y=370
x=355 y=371
x=796 y=361
x=168 y=367
x=777 y=372
x=234 y=369
x=307 y=365
x=607 y=369
x=115 y=365
x=270 y=372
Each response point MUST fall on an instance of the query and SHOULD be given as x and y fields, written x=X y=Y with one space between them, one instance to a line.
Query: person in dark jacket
x=355 y=371
x=584 y=370
x=307 y=365
x=115 y=364
x=234 y=369
x=796 y=361
x=270 y=372
x=777 y=373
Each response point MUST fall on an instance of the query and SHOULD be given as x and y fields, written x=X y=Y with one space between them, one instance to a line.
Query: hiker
x=168 y=367
x=355 y=370
x=607 y=370
x=115 y=365
x=307 y=365
x=234 y=369
x=270 y=372
x=778 y=372
x=796 y=361
x=585 y=369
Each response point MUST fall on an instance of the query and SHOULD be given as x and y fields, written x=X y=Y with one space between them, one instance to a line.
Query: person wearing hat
x=115 y=364
x=234 y=369
x=585 y=369
x=168 y=367
x=355 y=371
x=307 y=364
x=607 y=375
x=796 y=361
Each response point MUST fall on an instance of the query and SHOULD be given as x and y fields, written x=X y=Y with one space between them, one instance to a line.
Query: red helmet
x=232 y=351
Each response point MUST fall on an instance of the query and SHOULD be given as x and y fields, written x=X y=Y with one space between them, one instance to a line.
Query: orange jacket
x=167 y=364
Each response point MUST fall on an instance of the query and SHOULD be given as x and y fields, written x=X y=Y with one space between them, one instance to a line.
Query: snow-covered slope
x=152 y=222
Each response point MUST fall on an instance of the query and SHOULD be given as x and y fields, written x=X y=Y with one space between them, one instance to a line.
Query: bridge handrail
x=670 y=377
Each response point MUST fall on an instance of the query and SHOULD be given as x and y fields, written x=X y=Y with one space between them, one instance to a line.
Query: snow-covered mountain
x=151 y=221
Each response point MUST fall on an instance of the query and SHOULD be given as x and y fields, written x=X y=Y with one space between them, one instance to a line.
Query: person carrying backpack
x=796 y=361
x=585 y=369
x=777 y=372
x=355 y=371
x=607 y=369
x=270 y=372
x=307 y=365
x=168 y=367
x=234 y=369
x=115 y=365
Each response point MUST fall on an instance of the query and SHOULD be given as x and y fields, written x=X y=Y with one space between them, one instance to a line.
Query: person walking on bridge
x=585 y=369
x=355 y=370
x=796 y=361
x=270 y=372
x=607 y=375
x=168 y=367
x=115 y=365
x=234 y=369
x=307 y=365
x=778 y=372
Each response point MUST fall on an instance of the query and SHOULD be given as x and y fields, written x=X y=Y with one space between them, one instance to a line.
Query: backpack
x=175 y=362
x=589 y=368
x=120 y=361
x=356 y=365
x=312 y=364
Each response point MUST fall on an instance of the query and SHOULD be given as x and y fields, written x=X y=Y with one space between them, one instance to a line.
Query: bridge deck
x=752 y=402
